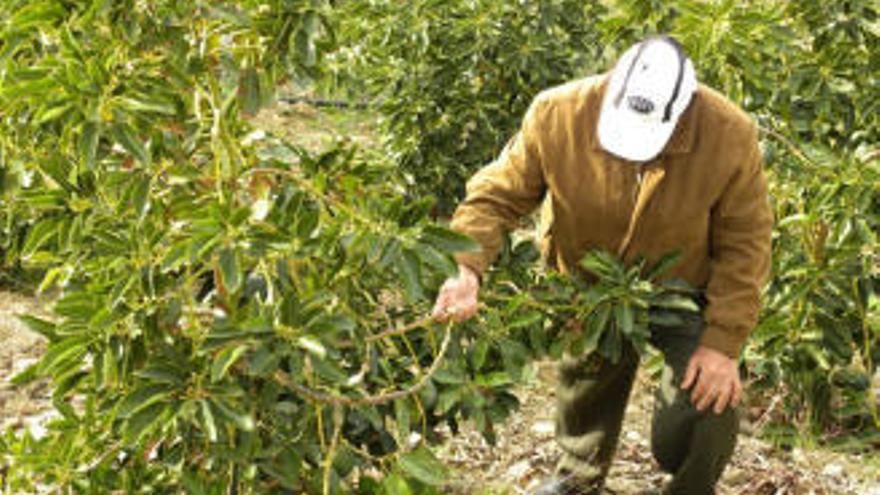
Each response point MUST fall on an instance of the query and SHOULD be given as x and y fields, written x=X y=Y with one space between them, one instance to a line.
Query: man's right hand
x=457 y=299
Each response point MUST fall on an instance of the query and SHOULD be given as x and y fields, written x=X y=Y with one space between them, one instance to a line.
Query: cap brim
x=625 y=134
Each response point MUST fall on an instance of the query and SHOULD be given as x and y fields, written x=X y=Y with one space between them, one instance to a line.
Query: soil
x=526 y=454
x=29 y=406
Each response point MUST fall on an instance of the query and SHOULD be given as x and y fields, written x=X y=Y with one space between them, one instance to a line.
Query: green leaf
x=402 y=417
x=494 y=380
x=141 y=197
x=109 y=367
x=394 y=484
x=52 y=276
x=305 y=44
x=440 y=262
x=263 y=361
x=478 y=354
x=526 y=320
x=224 y=360
x=665 y=318
x=597 y=327
x=125 y=136
x=447 y=400
x=64 y=351
x=26 y=376
x=65 y=383
x=242 y=420
x=142 y=397
x=329 y=370
x=175 y=256
x=230 y=269
x=603 y=265
x=45 y=328
x=146 y=419
x=623 y=313
x=53 y=113
x=408 y=268
x=285 y=469
x=162 y=372
x=611 y=345
x=677 y=302
x=208 y=420
x=421 y=465
x=662 y=265
x=138 y=106
x=249 y=90
x=450 y=376
x=38 y=235
x=448 y=240
x=312 y=345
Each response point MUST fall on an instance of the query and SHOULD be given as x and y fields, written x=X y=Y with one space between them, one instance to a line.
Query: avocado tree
x=233 y=313
x=451 y=80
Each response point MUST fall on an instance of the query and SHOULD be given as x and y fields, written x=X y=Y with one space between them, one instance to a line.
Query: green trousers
x=592 y=395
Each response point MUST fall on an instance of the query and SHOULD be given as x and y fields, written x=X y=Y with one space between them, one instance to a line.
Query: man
x=642 y=161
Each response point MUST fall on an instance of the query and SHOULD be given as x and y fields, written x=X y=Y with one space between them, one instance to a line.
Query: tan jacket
x=705 y=195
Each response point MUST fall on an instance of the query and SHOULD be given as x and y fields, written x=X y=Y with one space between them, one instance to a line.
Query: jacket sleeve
x=741 y=225
x=502 y=192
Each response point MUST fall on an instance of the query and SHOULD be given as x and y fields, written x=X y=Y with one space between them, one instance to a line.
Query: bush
x=234 y=314
x=238 y=314
x=454 y=78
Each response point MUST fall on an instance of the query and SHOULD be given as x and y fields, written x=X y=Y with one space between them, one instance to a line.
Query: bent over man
x=640 y=161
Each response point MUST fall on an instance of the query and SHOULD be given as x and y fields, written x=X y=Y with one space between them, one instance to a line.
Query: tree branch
x=373 y=400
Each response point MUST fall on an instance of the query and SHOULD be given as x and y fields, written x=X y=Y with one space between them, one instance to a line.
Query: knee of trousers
x=708 y=436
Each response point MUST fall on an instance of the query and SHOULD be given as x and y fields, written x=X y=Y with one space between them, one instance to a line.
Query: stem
x=392 y=332
x=319 y=397
x=530 y=302
x=319 y=413
x=762 y=421
x=869 y=363
x=338 y=419
x=788 y=144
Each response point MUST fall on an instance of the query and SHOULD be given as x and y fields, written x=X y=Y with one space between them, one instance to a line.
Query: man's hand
x=715 y=378
x=458 y=296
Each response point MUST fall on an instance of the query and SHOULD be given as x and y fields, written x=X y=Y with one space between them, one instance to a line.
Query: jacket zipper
x=638 y=186
x=645 y=186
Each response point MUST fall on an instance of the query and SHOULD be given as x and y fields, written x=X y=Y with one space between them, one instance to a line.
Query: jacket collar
x=682 y=139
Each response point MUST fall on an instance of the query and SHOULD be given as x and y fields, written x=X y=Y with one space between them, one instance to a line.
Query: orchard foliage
x=120 y=91
x=223 y=296
x=235 y=313
x=453 y=78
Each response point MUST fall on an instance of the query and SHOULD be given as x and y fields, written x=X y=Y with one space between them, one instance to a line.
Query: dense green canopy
x=235 y=311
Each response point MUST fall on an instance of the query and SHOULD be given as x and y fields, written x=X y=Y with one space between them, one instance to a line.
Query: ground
x=19 y=348
x=526 y=453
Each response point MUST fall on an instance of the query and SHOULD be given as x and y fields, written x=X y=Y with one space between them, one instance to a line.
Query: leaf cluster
x=452 y=79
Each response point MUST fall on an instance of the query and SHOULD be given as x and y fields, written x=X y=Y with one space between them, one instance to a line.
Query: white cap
x=650 y=87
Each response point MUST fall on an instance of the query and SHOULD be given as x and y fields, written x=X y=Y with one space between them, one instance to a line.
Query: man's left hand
x=715 y=379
